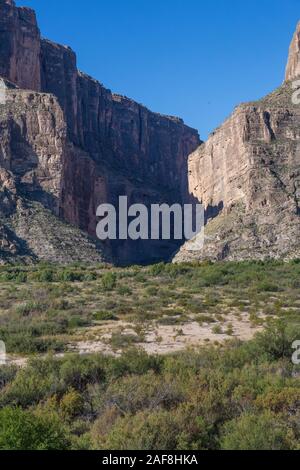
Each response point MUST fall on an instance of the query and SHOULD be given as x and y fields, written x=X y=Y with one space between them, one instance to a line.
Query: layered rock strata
x=70 y=144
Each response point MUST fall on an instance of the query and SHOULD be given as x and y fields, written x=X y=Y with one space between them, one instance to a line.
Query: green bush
x=257 y=432
x=24 y=430
x=143 y=431
x=109 y=281
x=104 y=316
x=276 y=341
x=13 y=275
x=46 y=275
x=70 y=276
x=27 y=343
x=157 y=269
x=24 y=310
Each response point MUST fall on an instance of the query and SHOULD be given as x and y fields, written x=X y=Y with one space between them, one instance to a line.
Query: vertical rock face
x=248 y=177
x=19 y=46
x=293 y=65
x=59 y=77
x=71 y=144
x=33 y=134
x=33 y=149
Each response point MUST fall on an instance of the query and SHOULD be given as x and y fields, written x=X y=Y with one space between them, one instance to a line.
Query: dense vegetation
x=230 y=395
x=241 y=396
x=44 y=308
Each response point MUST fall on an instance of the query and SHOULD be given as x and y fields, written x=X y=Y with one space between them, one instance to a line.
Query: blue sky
x=196 y=59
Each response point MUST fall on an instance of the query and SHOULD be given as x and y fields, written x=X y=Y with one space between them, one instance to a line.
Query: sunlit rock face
x=247 y=175
x=70 y=144
x=293 y=65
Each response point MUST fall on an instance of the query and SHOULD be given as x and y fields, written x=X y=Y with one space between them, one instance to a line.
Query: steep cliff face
x=32 y=159
x=109 y=127
x=248 y=177
x=33 y=139
x=92 y=145
x=19 y=46
x=293 y=65
x=120 y=147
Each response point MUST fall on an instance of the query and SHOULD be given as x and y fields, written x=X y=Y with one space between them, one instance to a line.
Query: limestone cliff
x=293 y=65
x=20 y=46
x=32 y=158
x=71 y=144
x=247 y=175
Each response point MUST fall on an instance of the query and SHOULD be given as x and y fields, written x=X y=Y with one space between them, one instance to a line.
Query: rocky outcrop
x=247 y=175
x=33 y=141
x=19 y=46
x=33 y=147
x=293 y=65
x=71 y=144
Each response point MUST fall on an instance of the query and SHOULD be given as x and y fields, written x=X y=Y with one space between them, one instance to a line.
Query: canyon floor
x=161 y=309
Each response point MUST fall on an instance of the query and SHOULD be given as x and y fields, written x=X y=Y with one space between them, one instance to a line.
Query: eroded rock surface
x=70 y=144
x=293 y=65
x=247 y=175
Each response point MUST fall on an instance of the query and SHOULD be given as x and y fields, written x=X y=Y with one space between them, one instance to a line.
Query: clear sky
x=196 y=59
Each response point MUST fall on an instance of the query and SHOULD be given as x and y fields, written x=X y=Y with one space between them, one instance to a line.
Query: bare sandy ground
x=161 y=339
x=156 y=339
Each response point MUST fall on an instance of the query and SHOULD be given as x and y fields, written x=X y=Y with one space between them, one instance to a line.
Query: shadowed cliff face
x=108 y=145
x=19 y=46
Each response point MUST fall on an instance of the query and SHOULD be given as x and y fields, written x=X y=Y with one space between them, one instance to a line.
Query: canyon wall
x=100 y=145
x=293 y=65
x=20 y=46
x=68 y=144
x=247 y=175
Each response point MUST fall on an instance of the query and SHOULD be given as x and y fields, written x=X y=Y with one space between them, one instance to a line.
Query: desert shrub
x=124 y=290
x=25 y=343
x=133 y=362
x=13 y=275
x=214 y=278
x=172 y=320
x=45 y=275
x=104 y=316
x=78 y=321
x=217 y=330
x=71 y=404
x=78 y=372
x=7 y=375
x=29 y=308
x=257 y=432
x=176 y=270
x=229 y=330
x=157 y=269
x=90 y=276
x=21 y=277
x=278 y=401
x=267 y=287
x=26 y=430
x=109 y=281
x=143 y=431
x=133 y=393
x=33 y=384
x=120 y=340
x=68 y=275
x=276 y=341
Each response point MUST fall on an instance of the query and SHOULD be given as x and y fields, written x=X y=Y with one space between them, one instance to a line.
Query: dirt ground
x=162 y=339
